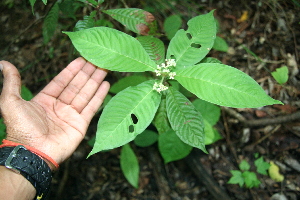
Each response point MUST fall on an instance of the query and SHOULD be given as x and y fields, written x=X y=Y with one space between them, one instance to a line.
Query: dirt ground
x=263 y=35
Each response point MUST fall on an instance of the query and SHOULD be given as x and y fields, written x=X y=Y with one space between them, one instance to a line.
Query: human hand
x=56 y=120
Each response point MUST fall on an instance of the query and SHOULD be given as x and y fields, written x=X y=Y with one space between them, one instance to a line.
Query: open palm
x=56 y=119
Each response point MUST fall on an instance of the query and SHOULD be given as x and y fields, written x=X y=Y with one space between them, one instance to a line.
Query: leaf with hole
x=50 y=23
x=191 y=46
x=135 y=19
x=111 y=49
x=126 y=115
x=129 y=165
x=223 y=85
x=185 y=120
x=154 y=47
x=171 y=147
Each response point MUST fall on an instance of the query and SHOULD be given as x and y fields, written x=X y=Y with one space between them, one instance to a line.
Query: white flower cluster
x=159 y=87
x=165 y=68
x=172 y=74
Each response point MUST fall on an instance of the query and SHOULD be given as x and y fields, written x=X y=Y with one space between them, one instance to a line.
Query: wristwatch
x=30 y=165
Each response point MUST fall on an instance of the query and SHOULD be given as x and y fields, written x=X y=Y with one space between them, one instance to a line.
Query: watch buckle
x=11 y=156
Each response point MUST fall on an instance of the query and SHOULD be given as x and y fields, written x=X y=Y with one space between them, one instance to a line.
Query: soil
x=262 y=36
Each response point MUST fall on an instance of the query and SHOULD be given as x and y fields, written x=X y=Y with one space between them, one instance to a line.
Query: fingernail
x=1 y=67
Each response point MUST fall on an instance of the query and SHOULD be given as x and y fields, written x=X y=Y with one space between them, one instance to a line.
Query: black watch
x=30 y=165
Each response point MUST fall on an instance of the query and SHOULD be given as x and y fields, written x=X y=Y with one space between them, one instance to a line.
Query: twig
x=125 y=5
x=250 y=146
x=159 y=174
x=203 y=176
x=262 y=122
x=231 y=148
x=64 y=180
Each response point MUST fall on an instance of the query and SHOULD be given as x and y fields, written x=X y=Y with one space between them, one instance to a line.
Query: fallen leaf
x=244 y=17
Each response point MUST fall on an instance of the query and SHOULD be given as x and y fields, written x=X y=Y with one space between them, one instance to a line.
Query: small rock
x=278 y=196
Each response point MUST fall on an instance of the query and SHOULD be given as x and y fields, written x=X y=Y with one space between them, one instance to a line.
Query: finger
x=92 y=107
x=74 y=87
x=88 y=90
x=11 y=81
x=58 y=84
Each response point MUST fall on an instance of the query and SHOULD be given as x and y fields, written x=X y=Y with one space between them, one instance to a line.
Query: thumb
x=11 y=81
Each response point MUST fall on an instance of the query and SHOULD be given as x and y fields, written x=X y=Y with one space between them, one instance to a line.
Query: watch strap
x=28 y=164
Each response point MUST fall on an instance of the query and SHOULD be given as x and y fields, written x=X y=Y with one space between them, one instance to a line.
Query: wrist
x=18 y=186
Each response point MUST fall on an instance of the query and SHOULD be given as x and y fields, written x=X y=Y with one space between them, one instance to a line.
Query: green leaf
x=244 y=165
x=87 y=22
x=236 y=178
x=126 y=82
x=160 y=120
x=135 y=19
x=146 y=138
x=50 y=23
x=223 y=85
x=281 y=75
x=105 y=102
x=69 y=8
x=220 y=44
x=211 y=135
x=44 y=1
x=2 y=130
x=210 y=112
x=261 y=166
x=185 y=120
x=210 y=60
x=191 y=46
x=171 y=25
x=129 y=165
x=93 y=2
x=126 y=115
x=104 y=22
x=251 y=179
x=111 y=49
x=26 y=93
x=154 y=47
x=32 y=2
x=171 y=147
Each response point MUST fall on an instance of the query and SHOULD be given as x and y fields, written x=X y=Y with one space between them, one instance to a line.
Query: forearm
x=14 y=186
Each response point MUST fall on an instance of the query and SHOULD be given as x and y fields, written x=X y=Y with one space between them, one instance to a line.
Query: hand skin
x=55 y=121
